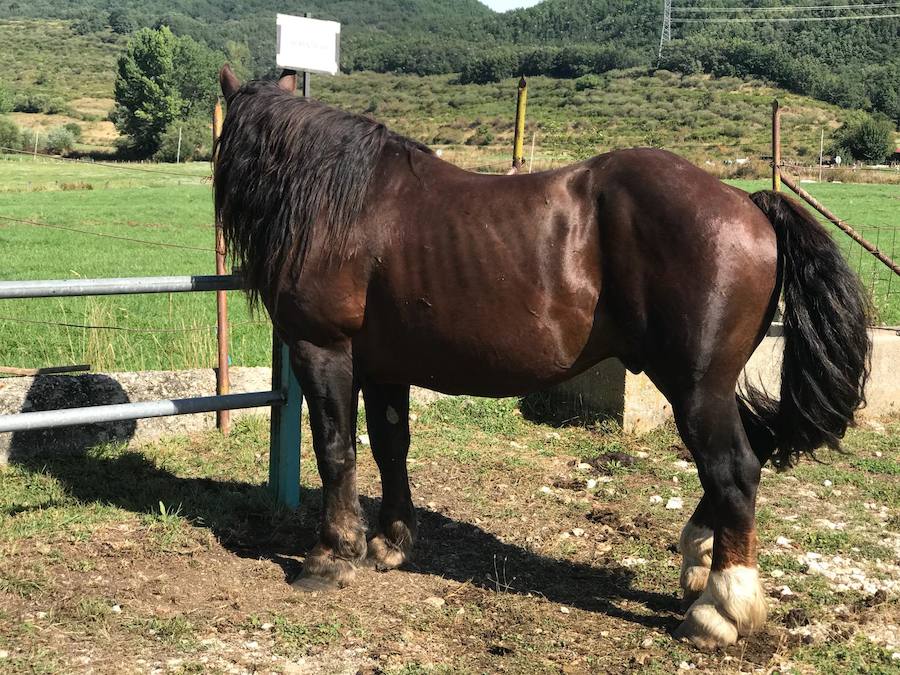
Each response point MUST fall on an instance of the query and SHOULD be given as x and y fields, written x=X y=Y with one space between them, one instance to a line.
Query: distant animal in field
x=383 y=266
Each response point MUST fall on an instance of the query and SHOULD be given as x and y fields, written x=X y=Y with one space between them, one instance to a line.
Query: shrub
x=6 y=100
x=60 y=141
x=482 y=136
x=75 y=129
x=196 y=141
x=10 y=135
x=866 y=139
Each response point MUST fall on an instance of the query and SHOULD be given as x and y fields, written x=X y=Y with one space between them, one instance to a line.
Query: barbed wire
x=121 y=167
x=108 y=236
x=128 y=329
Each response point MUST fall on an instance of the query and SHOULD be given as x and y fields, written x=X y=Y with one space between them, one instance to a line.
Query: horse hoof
x=324 y=573
x=707 y=629
x=313 y=585
x=383 y=556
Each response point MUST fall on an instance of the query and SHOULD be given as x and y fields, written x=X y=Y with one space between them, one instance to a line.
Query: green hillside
x=700 y=117
x=853 y=63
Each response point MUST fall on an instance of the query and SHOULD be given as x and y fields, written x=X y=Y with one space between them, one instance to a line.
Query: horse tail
x=827 y=350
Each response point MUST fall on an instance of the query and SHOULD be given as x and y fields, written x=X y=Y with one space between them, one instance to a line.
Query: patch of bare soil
x=520 y=567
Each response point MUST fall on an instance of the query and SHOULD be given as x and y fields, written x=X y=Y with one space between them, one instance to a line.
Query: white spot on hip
x=392 y=416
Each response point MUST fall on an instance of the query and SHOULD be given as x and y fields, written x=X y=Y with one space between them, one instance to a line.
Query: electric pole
x=666 y=34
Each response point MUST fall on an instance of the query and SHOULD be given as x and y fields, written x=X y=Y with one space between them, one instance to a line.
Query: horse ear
x=288 y=81
x=229 y=83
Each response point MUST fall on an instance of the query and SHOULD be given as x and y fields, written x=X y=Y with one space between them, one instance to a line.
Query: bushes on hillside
x=60 y=141
x=10 y=135
x=566 y=62
x=196 y=141
x=876 y=88
x=865 y=138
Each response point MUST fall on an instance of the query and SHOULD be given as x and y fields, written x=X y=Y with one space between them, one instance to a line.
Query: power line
x=779 y=19
x=783 y=8
x=22 y=221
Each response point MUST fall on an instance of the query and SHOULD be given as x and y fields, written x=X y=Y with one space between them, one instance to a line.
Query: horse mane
x=288 y=168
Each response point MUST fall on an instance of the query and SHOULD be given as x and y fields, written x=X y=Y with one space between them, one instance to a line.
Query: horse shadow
x=244 y=520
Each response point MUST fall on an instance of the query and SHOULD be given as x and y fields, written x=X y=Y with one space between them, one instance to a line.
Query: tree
x=122 y=21
x=866 y=138
x=60 y=141
x=146 y=91
x=6 y=100
x=196 y=76
x=196 y=141
x=10 y=135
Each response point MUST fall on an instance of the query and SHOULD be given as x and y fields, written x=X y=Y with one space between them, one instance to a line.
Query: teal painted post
x=284 y=443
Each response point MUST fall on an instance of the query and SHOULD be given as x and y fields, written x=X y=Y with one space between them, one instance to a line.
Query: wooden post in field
x=776 y=146
x=519 y=145
x=223 y=379
x=821 y=153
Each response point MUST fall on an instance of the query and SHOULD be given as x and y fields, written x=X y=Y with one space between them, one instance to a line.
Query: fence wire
x=164 y=244
x=128 y=329
x=120 y=167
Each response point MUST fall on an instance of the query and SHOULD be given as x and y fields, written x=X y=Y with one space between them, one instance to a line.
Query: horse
x=383 y=266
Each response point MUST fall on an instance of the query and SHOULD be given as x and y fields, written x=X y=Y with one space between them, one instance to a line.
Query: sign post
x=308 y=46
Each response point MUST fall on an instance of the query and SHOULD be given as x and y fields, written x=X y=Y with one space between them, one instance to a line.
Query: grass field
x=170 y=558
x=172 y=206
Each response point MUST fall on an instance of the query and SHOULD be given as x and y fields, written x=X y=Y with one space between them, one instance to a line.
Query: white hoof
x=733 y=605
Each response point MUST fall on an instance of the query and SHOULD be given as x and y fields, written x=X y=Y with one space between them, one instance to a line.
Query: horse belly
x=493 y=345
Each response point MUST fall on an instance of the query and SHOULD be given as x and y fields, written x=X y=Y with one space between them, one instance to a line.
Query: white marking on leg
x=696 y=546
x=732 y=605
x=739 y=595
x=392 y=416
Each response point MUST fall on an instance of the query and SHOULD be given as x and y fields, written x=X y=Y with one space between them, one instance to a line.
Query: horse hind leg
x=326 y=376
x=387 y=419
x=696 y=541
x=732 y=603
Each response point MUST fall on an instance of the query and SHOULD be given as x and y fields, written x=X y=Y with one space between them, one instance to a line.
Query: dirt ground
x=540 y=549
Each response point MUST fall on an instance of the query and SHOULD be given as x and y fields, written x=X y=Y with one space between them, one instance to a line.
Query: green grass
x=874 y=212
x=170 y=210
x=177 y=210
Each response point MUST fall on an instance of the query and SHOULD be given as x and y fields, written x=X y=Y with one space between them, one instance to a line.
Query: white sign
x=308 y=44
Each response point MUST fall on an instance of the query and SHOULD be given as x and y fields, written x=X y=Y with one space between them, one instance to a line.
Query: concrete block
x=611 y=392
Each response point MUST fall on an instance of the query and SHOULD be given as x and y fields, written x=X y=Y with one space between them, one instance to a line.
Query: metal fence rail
x=61 y=288
x=99 y=414
x=285 y=398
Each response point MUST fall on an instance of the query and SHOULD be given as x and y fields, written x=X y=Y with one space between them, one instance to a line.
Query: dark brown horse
x=383 y=266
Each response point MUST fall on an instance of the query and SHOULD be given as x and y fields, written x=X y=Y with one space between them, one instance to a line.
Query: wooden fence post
x=776 y=146
x=284 y=443
x=518 y=146
x=223 y=378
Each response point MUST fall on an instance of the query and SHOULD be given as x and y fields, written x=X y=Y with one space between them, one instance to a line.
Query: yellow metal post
x=519 y=149
x=776 y=146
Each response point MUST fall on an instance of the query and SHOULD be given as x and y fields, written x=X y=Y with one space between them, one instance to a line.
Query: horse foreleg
x=326 y=376
x=732 y=604
x=696 y=548
x=387 y=418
